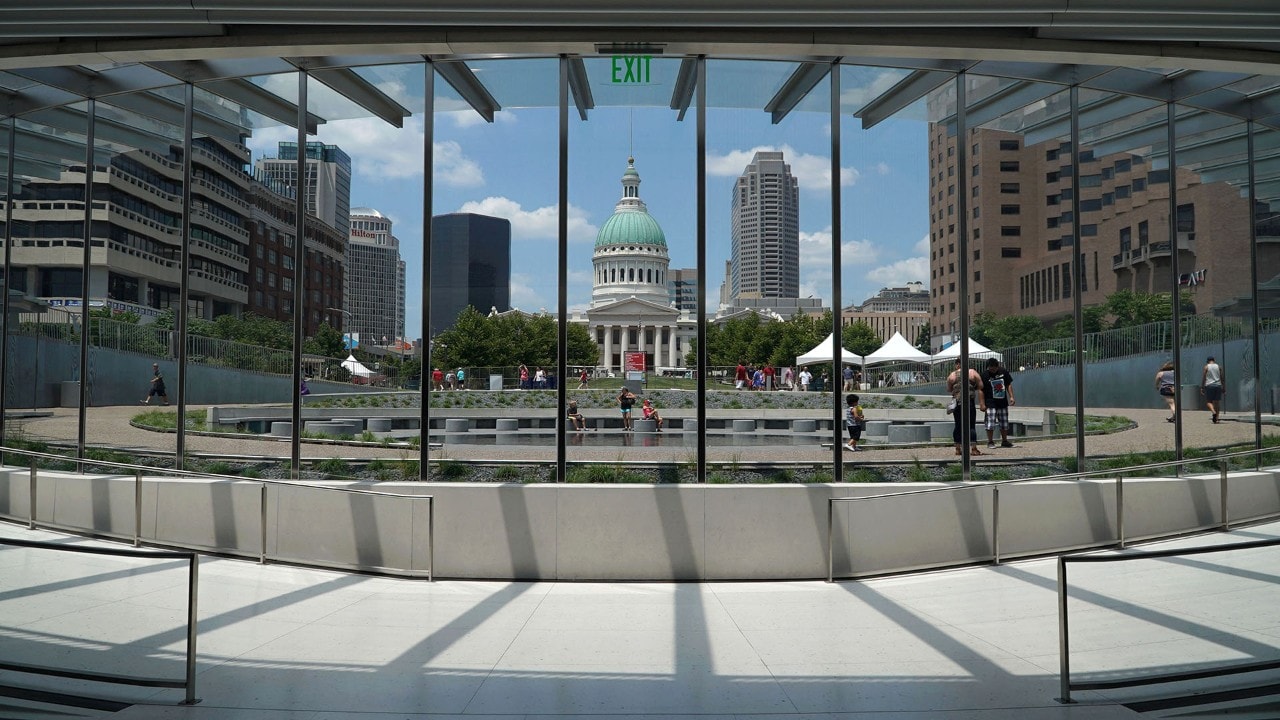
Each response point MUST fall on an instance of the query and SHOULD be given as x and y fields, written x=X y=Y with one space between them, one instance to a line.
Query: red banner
x=636 y=361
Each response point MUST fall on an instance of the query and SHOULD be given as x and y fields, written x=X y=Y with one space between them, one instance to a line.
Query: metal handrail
x=188 y=683
x=1064 y=640
x=263 y=483
x=1221 y=459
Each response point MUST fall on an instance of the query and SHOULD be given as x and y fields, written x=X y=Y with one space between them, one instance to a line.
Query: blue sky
x=508 y=168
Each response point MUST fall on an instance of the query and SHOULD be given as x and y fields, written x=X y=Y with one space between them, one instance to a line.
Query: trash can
x=495 y=382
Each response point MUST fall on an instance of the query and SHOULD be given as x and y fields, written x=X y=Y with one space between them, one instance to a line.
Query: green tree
x=467 y=344
x=925 y=338
x=860 y=339
x=1004 y=332
x=327 y=342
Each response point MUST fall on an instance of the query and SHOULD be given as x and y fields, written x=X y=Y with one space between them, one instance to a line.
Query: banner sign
x=636 y=361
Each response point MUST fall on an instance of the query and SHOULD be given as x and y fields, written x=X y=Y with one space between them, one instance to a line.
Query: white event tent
x=824 y=352
x=896 y=350
x=356 y=367
x=976 y=349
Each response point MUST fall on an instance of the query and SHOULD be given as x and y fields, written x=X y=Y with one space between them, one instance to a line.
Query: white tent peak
x=824 y=352
x=355 y=367
x=896 y=350
x=976 y=349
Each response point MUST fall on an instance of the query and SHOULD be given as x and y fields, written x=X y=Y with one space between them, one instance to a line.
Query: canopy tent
x=356 y=367
x=896 y=350
x=976 y=349
x=824 y=352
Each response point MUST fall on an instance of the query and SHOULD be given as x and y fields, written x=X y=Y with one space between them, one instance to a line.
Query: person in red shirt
x=437 y=379
x=740 y=376
x=768 y=376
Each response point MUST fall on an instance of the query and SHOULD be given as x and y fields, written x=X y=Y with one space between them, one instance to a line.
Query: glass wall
x=1266 y=306
x=633 y=272
x=1005 y=218
x=497 y=216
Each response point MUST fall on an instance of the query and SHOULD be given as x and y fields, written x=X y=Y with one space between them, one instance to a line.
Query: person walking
x=156 y=388
x=582 y=379
x=524 y=376
x=1166 y=385
x=805 y=378
x=847 y=372
x=437 y=379
x=769 y=373
x=1211 y=386
x=740 y=376
x=964 y=391
x=626 y=399
x=997 y=390
x=854 y=421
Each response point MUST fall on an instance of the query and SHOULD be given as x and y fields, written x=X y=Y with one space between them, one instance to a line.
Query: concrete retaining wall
x=632 y=532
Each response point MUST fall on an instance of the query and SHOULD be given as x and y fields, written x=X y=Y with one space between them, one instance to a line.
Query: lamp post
x=346 y=332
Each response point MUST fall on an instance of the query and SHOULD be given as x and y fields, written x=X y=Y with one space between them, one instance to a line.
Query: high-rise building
x=328 y=179
x=374 y=291
x=470 y=266
x=765 y=230
x=1021 y=228
x=136 y=232
x=273 y=284
x=682 y=289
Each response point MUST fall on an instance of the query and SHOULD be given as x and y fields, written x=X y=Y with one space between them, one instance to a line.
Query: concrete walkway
x=109 y=426
x=278 y=642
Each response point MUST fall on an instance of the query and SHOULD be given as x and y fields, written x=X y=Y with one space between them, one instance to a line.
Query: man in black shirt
x=997 y=390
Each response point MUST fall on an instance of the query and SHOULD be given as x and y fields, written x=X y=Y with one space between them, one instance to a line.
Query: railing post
x=193 y=589
x=995 y=522
x=262 y=524
x=431 y=539
x=1064 y=641
x=137 y=508
x=831 y=504
x=1120 y=510
x=1222 y=482
x=31 y=500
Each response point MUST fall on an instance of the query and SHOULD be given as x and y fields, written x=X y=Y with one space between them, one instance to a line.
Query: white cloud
x=381 y=152
x=813 y=172
x=898 y=274
x=523 y=295
x=922 y=246
x=857 y=97
x=815 y=252
x=537 y=224
x=883 y=168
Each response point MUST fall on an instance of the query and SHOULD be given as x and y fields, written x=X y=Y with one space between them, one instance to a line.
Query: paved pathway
x=109 y=426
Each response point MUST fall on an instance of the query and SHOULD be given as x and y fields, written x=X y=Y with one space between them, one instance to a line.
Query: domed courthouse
x=631 y=311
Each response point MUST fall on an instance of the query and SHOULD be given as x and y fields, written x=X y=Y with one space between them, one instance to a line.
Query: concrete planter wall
x=632 y=532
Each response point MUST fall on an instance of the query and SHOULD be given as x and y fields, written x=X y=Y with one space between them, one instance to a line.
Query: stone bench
x=282 y=429
x=804 y=425
x=644 y=425
x=507 y=424
x=744 y=425
x=909 y=433
x=877 y=428
x=457 y=425
x=941 y=430
x=379 y=424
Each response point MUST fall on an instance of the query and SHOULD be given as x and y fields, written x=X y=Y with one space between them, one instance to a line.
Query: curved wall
x=632 y=532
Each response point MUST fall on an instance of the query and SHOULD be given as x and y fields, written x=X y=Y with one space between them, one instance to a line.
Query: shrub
x=918 y=472
x=332 y=467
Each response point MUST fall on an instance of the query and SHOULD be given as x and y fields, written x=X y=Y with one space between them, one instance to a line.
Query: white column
x=657 y=346
x=671 y=350
x=608 y=348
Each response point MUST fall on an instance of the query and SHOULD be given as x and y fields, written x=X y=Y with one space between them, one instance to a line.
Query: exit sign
x=631 y=69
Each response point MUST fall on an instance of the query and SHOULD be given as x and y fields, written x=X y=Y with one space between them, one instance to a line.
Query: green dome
x=631 y=227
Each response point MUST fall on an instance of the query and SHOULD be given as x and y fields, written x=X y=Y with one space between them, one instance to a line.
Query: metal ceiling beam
x=350 y=85
x=686 y=83
x=168 y=111
x=262 y=101
x=1007 y=100
x=580 y=87
x=465 y=82
x=802 y=80
x=908 y=90
x=106 y=131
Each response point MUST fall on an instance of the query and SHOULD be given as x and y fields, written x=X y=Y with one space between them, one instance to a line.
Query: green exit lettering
x=632 y=69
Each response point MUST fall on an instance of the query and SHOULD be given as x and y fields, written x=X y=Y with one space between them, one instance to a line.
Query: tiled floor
x=283 y=642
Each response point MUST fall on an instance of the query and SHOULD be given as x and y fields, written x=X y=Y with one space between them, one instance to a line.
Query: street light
x=346 y=334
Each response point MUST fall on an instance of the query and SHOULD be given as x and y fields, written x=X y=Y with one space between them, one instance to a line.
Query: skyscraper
x=328 y=180
x=765 y=229
x=374 y=278
x=470 y=265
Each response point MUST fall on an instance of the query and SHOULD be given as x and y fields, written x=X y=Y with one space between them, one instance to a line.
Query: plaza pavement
x=109 y=427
